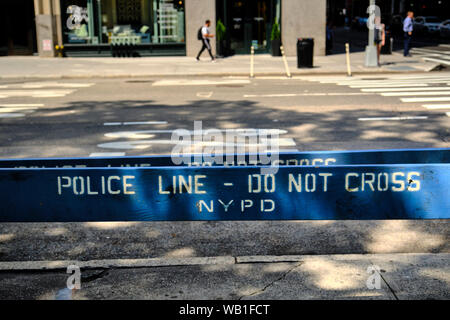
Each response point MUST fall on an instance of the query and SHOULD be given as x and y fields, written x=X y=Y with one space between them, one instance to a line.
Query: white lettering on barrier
x=396 y=181
x=181 y=184
x=257 y=183
x=309 y=182
x=268 y=180
x=80 y=185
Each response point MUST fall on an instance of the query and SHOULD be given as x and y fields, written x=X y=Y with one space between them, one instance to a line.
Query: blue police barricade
x=315 y=158
x=392 y=191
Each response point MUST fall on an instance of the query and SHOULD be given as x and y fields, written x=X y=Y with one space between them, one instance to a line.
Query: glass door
x=248 y=24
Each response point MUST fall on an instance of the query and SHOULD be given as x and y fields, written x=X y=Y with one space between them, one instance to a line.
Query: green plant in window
x=276 y=33
x=220 y=30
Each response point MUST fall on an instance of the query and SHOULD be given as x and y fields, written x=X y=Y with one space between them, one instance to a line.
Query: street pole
x=371 y=49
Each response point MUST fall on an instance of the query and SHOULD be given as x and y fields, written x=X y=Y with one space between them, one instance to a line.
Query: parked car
x=426 y=25
x=444 y=29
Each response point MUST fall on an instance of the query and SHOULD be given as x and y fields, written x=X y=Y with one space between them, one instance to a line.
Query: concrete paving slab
x=314 y=277
x=416 y=276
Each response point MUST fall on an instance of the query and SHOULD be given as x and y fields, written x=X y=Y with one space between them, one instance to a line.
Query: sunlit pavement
x=379 y=276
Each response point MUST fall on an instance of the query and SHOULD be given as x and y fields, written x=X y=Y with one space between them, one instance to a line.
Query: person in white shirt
x=205 y=36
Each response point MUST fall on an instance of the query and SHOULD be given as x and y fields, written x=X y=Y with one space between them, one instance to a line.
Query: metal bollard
x=252 y=56
x=347 y=53
x=286 y=66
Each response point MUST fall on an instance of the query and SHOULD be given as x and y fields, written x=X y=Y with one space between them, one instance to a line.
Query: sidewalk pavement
x=12 y=67
x=375 y=276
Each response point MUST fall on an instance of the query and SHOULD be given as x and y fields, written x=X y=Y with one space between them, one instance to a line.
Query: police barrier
x=396 y=191
x=315 y=158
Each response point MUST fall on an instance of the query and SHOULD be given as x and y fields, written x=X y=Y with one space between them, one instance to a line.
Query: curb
x=222 y=74
x=9 y=266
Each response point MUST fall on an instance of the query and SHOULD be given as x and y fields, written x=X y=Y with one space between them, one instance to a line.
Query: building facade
x=169 y=27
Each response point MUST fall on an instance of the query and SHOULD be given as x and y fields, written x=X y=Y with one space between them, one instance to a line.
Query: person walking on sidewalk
x=204 y=35
x=408 y=29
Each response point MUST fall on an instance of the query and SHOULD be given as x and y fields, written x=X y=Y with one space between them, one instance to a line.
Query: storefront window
x=78 y=21
x=130 y=21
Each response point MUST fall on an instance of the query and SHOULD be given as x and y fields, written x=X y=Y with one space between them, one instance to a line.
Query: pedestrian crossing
x=430 y=89
x=203 y=140
x=433 y=55
x=39 y=89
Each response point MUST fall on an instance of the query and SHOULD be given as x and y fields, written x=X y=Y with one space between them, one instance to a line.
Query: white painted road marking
x=17 y=110
x=425 y=99
x=429 y=93
x=205 y=94
x=107 y=154
x=389 y=82
x=11 y=115
x=6 y=110
x=143 y=144
x=393 y=118
x=276 y=95
x=145 y=134
x=133 y=123
x=22 y=105
x=406 y=89
x=185 y=82
x=384 y=85
x=36 y=85
x=436 y=106
x=35 y=93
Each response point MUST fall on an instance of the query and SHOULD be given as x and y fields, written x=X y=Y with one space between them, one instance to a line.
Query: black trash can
x=305 y=52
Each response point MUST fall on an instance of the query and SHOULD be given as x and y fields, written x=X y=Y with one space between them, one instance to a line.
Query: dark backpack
x=199 y=34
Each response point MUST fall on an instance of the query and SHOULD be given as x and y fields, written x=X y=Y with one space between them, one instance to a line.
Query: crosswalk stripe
x=38 y=85
x=429 y=93
x=384 y=85
x=35 y=93
x=410 y=79
x=436 y=106
x=393 y=118
x=22 y=105
x=427 y=51
x=144 y=144
x=405 y=89
x=390 y=83
x=312 y=94
x=429 y=99
x=11 y=115
x=442 y=61
x=7 y=110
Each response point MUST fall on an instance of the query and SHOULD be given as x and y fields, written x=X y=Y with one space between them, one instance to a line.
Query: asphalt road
x=94 y=117
x=316 y=116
